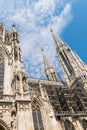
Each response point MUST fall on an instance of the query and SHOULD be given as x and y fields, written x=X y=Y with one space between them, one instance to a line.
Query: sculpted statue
x=15 y=83
x=13 y=123
x=13 y=115
x=24 y=82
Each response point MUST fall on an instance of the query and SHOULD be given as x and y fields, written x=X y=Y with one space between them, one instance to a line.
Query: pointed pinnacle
x=57 y=40
x=14 y=28
x=42 y=49
x=51 y=30
x=46 y=61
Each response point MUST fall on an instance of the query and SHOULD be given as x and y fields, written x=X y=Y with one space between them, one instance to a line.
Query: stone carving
x=1 y=69
x=18 y=83
x=1 y=59
x=15 y=83
x=13 y=122
x=13 y=115
x=1 y=29
x=7 y=39
x=24 y=82
x=20 y=54
x=13 y=112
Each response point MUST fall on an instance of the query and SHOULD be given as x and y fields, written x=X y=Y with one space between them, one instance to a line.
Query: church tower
x=13 y=79
x=70 y=62
x=19 y=72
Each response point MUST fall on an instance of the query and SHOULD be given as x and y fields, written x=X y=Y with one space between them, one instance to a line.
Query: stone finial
x=14 y=28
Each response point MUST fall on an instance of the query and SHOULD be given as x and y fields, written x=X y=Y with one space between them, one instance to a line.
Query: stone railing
x=66 y=113
x=6 y=97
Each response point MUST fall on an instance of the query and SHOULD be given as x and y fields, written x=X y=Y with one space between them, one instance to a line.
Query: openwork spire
x=50 y=71
x=70 y=63
x=57 y=40
x=47 y=63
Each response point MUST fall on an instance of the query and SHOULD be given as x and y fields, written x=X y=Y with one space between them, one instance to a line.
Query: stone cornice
x=45 y=82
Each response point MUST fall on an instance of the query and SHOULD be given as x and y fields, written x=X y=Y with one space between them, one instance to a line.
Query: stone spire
x=14 y=29
x=59 y=45
x=57 y=40
x=15 y=45
x=2 y=32
x=71 y=64
x=46 y=61
x=20 y=78
x=14 y=34
x=16 y=50
x=49 y=69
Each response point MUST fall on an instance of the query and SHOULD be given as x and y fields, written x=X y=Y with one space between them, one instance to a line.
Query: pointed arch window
x=1 y=73
x=68 y=125
x=37 y=117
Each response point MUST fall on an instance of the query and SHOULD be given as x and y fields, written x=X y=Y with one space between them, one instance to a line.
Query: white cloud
x=34 y=20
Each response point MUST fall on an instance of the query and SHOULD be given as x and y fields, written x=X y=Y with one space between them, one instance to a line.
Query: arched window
x=3 y=125
x=37 y=118
x=84 y=123
x=1 y=73
x=68 y=125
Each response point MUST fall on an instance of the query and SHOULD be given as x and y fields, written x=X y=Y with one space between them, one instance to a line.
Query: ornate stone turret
x=49 y=69
x=11 y=64
x=71 y=64
x=2 y=32
x=14 y=34
x=19 y=71
x=15 y=43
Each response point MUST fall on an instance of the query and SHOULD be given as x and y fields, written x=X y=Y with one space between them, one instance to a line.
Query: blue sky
x=33 y=20
x=75 y=34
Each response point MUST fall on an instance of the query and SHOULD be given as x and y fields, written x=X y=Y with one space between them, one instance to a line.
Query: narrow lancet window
x=68 y=125
x=67 y=62
x=1 y=73
x=37 y=117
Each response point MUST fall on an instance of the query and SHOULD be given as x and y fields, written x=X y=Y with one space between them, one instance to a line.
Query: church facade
x=35 y=104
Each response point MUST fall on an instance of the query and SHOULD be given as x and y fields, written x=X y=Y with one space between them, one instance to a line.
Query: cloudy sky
x=33 y=20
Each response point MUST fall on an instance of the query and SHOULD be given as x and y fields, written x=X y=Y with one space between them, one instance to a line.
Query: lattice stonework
x=37 y=117
x=68 y=125
x=1 y=72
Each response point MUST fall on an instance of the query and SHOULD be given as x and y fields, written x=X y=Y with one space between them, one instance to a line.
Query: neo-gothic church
x=35 y=104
